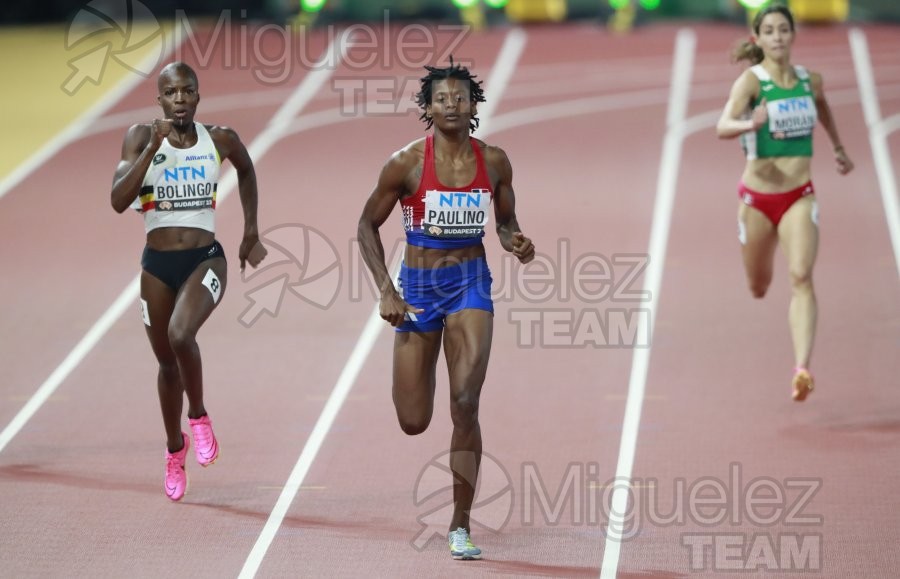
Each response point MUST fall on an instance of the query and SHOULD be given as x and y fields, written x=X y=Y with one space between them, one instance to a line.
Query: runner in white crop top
x=179 y=188
x=170 y=169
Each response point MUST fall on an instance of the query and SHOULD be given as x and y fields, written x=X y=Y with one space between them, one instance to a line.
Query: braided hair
x=423 y=97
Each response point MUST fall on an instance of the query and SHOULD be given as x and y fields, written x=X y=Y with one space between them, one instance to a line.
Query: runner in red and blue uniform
x=445 y=184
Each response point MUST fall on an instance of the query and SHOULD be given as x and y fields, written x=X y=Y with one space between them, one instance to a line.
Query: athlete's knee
x=464 y=409
x=181 y=338
x=414 y=425
x=801 y=278
x=758 y=288
x=168 y=371
x=169 y=377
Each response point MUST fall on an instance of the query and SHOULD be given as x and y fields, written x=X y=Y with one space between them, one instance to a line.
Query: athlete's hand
x=760 y=114
x=523 y=249
x=252 y=250
x=160 y=130
x=843 y=162
x=393 y=308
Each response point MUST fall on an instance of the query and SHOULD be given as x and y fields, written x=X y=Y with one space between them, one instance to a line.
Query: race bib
x=456 y=214
x=184 y=188
x=792 y=117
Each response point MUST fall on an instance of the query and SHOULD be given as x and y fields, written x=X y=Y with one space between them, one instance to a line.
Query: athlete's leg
x=159 y=302
x=799 y=236
x=467 y=346
x=415 y=359
x=759 y=240
x=196 y=300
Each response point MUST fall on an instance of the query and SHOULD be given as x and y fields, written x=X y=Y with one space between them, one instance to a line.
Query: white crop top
x=179 y=189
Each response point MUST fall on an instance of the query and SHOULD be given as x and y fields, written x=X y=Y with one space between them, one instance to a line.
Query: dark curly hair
x=423 y=97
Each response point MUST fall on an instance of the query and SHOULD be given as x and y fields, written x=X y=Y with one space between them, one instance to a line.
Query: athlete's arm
x=843 y=162
x=511 y=237
x=140 y=145
x=743 y=92
x=390 y=186
x=230 y=147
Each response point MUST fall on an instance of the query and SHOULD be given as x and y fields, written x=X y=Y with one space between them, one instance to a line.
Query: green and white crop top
x=792 y=117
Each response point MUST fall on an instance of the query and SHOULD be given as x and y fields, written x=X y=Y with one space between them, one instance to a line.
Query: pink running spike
x=176 y=476
x=205 y=445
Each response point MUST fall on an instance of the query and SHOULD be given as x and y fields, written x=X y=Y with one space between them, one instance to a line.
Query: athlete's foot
x=803 y=384
x=206 y=447
x=461 y=547
x=176 y=477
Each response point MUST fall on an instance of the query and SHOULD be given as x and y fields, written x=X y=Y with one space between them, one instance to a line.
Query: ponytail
x=747 y=50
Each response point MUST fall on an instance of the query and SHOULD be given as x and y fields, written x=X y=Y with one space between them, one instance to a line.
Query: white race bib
x=456 y=214
x=792 y=117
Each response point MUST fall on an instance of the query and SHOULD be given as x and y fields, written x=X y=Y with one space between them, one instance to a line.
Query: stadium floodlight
x=312 y=5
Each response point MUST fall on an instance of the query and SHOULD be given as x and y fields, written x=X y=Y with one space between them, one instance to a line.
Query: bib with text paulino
x=456 y=213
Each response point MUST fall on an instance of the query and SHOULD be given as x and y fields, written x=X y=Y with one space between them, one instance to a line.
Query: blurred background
x=81 y=52
x=476 y=12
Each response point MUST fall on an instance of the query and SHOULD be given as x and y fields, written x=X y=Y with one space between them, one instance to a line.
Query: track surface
x=583 y=119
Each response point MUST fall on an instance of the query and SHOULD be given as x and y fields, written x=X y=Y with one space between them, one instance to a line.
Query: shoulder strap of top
x=480 y=167
x=205 y=139
x=760 y=72
x=428 y=171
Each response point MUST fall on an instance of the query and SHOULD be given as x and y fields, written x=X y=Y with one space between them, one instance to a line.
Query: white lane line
x=879 y=130
x=512 y=48
x=311 y=83
x=78 y=353
x=77 y=128
x=891 y=124
x=685 y=45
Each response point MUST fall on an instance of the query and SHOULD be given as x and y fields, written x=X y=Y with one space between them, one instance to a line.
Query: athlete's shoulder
x=139 y=130
x=493 y=155
x=411 y=154
x=417 y=146
x=753 y=76
x=815 y=79
x=138 y=135
x=217 y=132
x=747 y=86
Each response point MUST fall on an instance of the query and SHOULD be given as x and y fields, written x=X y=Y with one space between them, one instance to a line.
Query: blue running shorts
x=443 y=291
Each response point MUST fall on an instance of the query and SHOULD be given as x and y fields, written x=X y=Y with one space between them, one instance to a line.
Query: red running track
x=584 y=130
